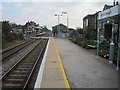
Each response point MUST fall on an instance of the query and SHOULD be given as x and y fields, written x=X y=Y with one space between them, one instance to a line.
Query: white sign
x=109 y=12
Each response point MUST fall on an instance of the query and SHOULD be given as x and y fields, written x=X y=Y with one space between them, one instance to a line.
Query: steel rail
x=18 y=62
x=6 y=50
x=41 y=52
x=42 y=47
x=12 y=51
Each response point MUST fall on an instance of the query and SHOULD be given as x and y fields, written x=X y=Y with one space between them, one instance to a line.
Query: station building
x=60 y=27
x=106 y=18
x=90 y=25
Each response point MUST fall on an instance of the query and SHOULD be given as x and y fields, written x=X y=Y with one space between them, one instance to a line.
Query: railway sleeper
x=14 y=81
x=21 y=72
x=10 y=80
x=18 y=76
x=27 y=64
x=25 y=69
x=12 y=85
x=24 y=66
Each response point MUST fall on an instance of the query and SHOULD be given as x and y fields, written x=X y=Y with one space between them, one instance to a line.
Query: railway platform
x=84 y=69
x=65 y=61
x=51 y=73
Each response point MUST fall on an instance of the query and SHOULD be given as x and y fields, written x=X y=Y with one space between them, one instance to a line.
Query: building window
x=86 y=22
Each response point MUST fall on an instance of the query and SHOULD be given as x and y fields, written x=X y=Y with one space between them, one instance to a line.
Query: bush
x=83 y=42
x=105 y=48
x=18 y=36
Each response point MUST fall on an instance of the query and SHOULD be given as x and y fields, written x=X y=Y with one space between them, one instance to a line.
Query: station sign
x=109 y=12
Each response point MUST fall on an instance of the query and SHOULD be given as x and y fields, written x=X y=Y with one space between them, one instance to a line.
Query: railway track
x=6 y=54
x=19 y=75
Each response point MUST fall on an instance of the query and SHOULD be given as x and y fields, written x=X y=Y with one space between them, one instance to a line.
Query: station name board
x=106 y=13
x=109 y=12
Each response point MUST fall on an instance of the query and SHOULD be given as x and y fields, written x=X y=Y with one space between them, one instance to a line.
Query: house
x=90 y=25
x=31 y=28
x=87 y=24
x=17 y=30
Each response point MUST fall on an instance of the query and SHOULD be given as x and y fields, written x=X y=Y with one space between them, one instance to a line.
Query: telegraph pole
x=118 y=59
x=98 y=38
x=67 y=20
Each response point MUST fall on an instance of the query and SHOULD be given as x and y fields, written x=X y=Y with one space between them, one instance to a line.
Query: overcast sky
x=42 y=11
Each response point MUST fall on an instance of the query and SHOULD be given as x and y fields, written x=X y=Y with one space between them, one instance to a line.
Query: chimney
x=114 y=3
x=117 y=3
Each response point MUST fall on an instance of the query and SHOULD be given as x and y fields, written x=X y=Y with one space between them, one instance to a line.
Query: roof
x=89 y=15
x=107 y=7
x=60 y=25
x=71 y=29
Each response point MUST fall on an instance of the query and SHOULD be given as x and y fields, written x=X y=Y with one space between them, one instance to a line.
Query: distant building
x=61 y=27
x=71 y=30
x=16 y=30
x=31 y=28
x=73 y=33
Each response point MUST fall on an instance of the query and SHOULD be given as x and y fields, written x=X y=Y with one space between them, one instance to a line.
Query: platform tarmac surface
x=53 y=73
x=83 y=69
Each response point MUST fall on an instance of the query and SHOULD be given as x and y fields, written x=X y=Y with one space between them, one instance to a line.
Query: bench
x=93 y=44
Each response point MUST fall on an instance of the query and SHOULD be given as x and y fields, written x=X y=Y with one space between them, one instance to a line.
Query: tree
x=14 y=25
x=80 y=30
x=44 y=28
x=6 y=32
x=6 y=28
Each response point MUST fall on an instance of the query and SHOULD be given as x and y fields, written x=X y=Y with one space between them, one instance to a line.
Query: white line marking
x=40 y=73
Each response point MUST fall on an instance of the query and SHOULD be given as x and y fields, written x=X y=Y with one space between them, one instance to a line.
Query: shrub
x=81 y=41
x=105 y=48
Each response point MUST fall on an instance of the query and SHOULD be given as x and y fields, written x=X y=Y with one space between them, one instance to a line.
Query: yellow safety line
x=62 y=68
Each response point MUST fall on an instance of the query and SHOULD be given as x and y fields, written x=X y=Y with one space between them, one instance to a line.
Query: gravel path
x=8 y=64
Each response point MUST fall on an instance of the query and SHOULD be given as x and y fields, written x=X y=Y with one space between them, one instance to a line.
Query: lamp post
x=58 y=18
x=67 y=20
x=118 y=60
x=58 y=31
x=67 y=17
x=98 y=42
x=98 y=37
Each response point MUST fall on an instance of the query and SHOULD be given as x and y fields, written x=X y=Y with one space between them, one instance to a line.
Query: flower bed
x=104 y=47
